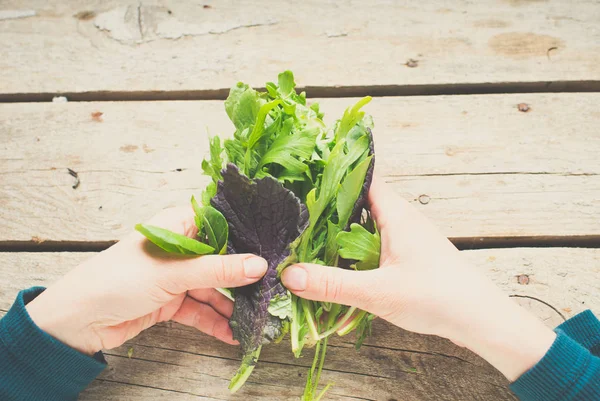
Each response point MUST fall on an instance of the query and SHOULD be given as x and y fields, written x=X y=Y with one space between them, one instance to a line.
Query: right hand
x=424 y=285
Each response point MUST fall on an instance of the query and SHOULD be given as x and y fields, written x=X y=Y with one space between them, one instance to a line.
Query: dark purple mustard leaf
x=264 y=218
x=361 y=202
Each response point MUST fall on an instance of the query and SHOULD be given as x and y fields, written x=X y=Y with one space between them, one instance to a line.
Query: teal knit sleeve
x=585 y=329
x=569 y=370
x=36 y=366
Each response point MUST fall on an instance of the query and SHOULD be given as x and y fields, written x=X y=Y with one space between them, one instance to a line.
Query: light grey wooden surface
x=511 y=173
x=152 y=46
x=484 y=171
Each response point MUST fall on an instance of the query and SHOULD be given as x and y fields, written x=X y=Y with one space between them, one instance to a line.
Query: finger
x=211 y=271
x=204 y=318
x=214 y=298
x=330 y=284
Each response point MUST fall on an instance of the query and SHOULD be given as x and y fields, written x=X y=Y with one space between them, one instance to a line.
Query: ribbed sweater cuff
x=556 y=373
x=63 y=369
x=585 y=329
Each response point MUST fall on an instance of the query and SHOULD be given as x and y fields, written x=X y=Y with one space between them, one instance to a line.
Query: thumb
x=330 y=284
x=213 y=271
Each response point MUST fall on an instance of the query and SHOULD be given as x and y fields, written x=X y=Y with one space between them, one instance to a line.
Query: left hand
x=131 y=286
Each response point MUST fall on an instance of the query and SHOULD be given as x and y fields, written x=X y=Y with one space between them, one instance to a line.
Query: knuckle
x=332 y=285
x=223 y=269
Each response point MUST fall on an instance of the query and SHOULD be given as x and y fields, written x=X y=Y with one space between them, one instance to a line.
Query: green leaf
x=331 y=246
x=228 y=292
x=336 y=168
x=235 y=152
x=281 y=307
x=361 y=245
x=209 y=192
x=213 y=166
x=286 y=149
x=351 y=117
x=350 y=191
x=212 y=226
x=215 y=156
x=217 y=230
x=173 y=242
x=286 y=83
x=259 y=126
x=244 y=371
x=363 y=330
x=242 y=105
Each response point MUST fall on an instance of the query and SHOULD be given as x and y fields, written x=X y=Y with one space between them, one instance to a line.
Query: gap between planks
x=320 y=91
x=462 y=243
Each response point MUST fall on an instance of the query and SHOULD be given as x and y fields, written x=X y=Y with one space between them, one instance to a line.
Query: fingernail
x=255 y=267
x=294 y=278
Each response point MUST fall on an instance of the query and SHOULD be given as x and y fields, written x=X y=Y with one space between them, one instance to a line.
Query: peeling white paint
x=15 y=14
x=140 y=24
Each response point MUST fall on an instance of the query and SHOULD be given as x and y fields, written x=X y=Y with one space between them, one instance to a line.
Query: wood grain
x=153 y=47
x=479 y=167
x=171 y=361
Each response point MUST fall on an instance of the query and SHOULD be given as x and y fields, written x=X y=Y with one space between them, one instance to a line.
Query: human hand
x=424 y=285
x=131 y=286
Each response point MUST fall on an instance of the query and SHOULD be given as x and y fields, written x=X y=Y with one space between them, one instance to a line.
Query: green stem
x=248 y=363
x=339 y=323
x=308 y=312
x=353 y=324
x=321 y=362
x=295 y=328
x=308 y=388
x=322 y=393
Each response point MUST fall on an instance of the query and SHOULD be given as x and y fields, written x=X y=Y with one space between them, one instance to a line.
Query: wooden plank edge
x=462 y=243
x=319 y=91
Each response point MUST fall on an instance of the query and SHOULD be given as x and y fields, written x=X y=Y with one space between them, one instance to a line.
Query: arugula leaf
x=350 y=191
x=351 y=117
x=173 y=242
x=361 y=245
x=235 y=153
x=213 y=167
x=287 y=148
x=331 y=245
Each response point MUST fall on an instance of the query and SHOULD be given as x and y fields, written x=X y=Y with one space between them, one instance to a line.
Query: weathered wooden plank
x=479 y=167
x=154 y=46
x=392 y=363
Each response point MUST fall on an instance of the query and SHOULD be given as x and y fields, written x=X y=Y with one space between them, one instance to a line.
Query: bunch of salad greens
x=290 y=189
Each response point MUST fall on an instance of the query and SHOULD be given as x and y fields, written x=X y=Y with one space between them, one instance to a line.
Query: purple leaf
x=264 y=218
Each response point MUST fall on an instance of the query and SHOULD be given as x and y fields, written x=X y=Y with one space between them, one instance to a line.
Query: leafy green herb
x=289 y=188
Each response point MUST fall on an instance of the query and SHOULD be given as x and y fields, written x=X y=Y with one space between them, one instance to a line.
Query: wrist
x=66 y=323
x=506 y=335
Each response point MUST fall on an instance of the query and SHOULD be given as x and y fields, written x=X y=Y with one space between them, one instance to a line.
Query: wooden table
x=518 y=187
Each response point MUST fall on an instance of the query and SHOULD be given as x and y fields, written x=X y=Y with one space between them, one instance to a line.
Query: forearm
x=506 y=335
x=34 y=365
x=542 y=365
